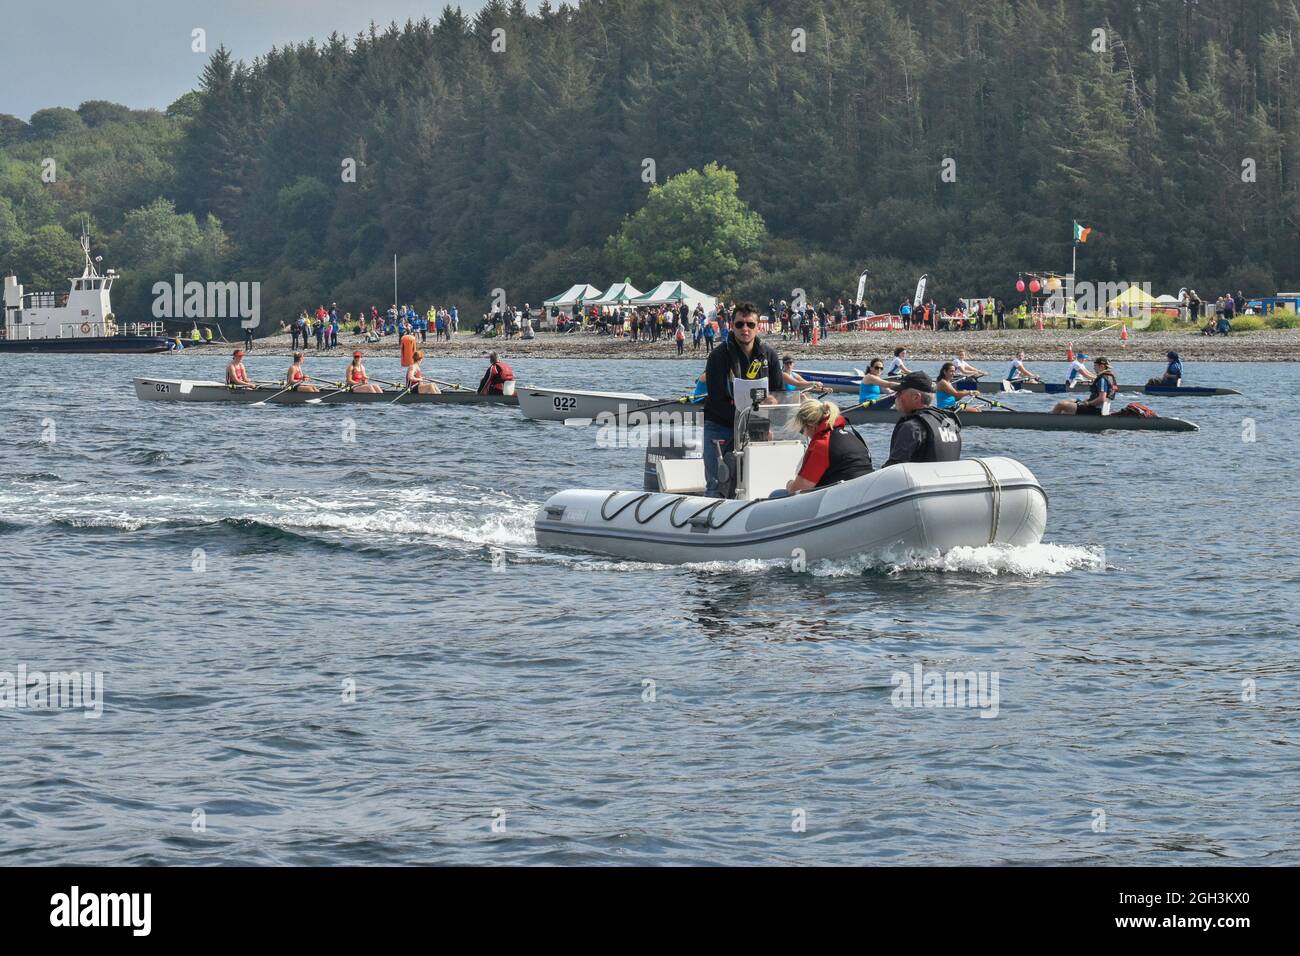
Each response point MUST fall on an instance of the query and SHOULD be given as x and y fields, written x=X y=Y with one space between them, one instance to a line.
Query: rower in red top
x=415 y=378
x=236 y=374
x=297 y=379
x=495 y=378
x=356 y=379
x=836 y=452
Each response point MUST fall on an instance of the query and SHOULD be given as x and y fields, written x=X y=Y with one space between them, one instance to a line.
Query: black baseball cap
x=918 y=380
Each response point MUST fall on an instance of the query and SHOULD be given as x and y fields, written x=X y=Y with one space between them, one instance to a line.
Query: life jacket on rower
x=495 y=378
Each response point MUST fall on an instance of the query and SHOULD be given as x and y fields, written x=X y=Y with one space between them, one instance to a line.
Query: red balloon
x=1034 y=286
x=1020 y=285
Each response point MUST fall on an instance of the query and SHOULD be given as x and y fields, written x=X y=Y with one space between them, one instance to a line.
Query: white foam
x=1029 y=561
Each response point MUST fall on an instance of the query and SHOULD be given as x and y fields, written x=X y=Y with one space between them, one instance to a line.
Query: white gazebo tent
x=570 y=300
x=620 y=293
x=579 y=294
x=676 y=292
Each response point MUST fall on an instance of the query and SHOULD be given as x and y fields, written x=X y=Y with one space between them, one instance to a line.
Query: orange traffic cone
x=1123 y=334
x=1038 y=322
x=1069 y=351
x=816 y=334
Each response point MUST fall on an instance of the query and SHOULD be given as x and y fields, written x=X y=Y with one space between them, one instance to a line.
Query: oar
x=583 y=422
x=854 y=408
x=995 y=404
x=459 y=388
x=404 y=393
x=288 y=388
x=338 y=387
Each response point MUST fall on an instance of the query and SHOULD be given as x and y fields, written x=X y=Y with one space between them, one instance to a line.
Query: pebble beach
x=1274 y=345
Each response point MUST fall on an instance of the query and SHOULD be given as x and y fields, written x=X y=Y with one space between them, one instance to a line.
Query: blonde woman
x=836 y=452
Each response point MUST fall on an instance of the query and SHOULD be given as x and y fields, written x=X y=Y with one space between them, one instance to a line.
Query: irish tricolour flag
x=1081 y=233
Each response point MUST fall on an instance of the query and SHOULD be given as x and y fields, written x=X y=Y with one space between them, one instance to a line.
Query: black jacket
x=727 y=361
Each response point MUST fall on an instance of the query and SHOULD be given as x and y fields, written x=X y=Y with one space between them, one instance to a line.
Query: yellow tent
x=1132 y=298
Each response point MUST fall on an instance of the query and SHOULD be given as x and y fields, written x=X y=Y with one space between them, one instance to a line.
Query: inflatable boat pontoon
x=893 y=512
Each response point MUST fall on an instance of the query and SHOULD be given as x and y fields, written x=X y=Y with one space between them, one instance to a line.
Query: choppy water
x=1166 y=579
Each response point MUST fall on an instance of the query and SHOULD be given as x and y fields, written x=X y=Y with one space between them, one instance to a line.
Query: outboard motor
x=671 y=443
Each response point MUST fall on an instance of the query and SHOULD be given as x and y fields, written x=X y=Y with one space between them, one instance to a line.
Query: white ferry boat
x=80 y=321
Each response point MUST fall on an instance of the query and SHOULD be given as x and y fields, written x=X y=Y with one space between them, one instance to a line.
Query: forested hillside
x=483 y=167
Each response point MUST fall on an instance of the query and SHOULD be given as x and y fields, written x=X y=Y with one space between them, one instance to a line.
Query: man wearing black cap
x=924 y=433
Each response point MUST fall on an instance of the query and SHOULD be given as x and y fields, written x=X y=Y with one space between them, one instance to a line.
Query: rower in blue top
x=872 y=386
x=946 y=393
x=792 y=379
x=701 y=389
x=1173 y=372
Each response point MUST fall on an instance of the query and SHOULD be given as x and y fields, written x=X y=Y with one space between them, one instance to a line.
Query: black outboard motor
x=670 y=442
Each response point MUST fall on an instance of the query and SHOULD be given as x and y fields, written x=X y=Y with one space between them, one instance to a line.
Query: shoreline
x=1272 y=345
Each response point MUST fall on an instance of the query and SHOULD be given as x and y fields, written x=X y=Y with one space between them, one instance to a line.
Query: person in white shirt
x=1078 y=371
x=898 y=364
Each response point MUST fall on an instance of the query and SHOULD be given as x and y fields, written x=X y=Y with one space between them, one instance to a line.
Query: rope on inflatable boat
x=995 y=488
x=674 y=503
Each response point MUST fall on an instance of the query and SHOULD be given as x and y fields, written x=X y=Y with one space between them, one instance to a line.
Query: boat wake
x=349 y=516
x=1028 y=561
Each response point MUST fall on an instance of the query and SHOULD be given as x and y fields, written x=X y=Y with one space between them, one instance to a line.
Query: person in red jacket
x=495 y=378
x=836 y=452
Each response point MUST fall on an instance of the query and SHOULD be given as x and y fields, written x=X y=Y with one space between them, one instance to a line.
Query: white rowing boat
x=186 y=390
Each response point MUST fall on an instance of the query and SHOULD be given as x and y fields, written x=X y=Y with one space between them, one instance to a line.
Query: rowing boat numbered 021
x=184 y=390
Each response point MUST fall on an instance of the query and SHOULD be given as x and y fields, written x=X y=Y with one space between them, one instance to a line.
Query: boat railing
x=72 y=330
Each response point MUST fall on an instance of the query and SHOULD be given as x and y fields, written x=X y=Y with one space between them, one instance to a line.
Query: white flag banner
x=920 y=292
x=862 y=286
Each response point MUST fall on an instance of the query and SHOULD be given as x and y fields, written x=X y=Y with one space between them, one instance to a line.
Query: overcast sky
x=137 y=52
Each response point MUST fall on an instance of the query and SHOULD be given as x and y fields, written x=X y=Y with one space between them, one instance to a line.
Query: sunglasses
x=876 y=368
x=745 y=325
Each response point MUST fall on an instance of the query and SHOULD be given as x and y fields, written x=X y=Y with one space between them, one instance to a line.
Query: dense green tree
x=47 y=257
x=951 y=137
x=694 y=225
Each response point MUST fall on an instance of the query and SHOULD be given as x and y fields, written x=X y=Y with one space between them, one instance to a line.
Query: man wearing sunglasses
x=745 y=361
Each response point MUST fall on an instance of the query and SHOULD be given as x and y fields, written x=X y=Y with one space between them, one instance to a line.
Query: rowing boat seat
x=681 y=476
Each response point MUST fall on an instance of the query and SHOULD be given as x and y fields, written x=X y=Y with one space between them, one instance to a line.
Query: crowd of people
x=325 y=324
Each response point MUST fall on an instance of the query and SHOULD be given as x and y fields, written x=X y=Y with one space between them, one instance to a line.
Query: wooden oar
x=452 y=385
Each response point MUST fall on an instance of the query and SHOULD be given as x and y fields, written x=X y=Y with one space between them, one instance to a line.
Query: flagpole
x=394 y=280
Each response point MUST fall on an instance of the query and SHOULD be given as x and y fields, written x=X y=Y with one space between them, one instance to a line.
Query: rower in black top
x=1103 y=389
x=743 y=360
x=924 y=433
